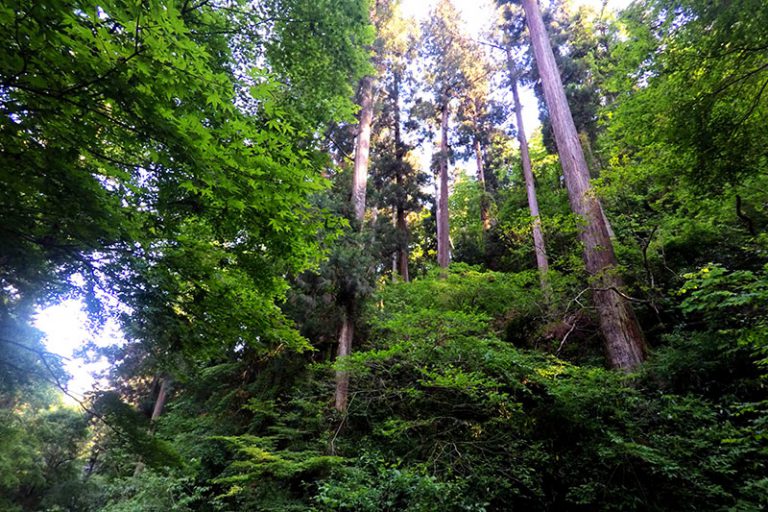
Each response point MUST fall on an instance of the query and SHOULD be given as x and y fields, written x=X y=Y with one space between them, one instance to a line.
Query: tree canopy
x=190 y=170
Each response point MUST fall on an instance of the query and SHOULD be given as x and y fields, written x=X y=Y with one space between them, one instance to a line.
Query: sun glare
x=65 y=326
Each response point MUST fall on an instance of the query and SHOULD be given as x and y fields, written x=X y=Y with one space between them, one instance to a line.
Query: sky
x=66 y=330
x=477 y=13
x=65 y=324
x=478 y=16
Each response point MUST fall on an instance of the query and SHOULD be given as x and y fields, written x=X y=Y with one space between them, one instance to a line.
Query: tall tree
x=401 y=224
x=579 y=38
x=478 y=117
x=542 y=262
x=445 y=55
x=398 y=181
x=359 y=186
x=624 y=339
x=517 y=55
x=362 y=149
x=443 y=232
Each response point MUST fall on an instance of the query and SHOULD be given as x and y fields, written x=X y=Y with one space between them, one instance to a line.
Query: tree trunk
x=608 y=226
x=443 y=234
x=624 y=340
x=485 y=216
x=402 y=251
x=594 y=171
x=157 y=410
x=396 y=253
x=362 y=148
x=401 y=225
x=162 y=396
x=359 y=183
x=542 y=262
x=345 y=348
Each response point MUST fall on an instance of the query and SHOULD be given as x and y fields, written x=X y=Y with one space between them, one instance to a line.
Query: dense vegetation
x=243 y=186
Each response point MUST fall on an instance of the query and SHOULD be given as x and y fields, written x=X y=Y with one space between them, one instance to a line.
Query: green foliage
x=161 y=157
x=152 y=492
x=41 y=459
x=448 y=54
x=167 y=163
x=437 y=390
x=703 y=105
x=513 y=229
x=372 y=485
x=130 y=438
x=683 y=179
x=466 y=291
x=466 y=227
x=263 y=468
x=187 y=134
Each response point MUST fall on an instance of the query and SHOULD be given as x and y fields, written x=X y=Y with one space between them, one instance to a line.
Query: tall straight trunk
x=402 y=251
x=396 y=254
x=362 y=148
x=485 y=216
x=624 y=341
x=401 y=225
x=359 y=184
x=346 y=335
x=542 y=262
x=443 y=235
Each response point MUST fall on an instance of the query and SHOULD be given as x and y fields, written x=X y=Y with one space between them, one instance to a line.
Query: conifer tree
x=446 y=56
x=397 y=179
x=378 y=10
x=542 y=262
x=623 y=337
x=513 y=45
x=479 y=116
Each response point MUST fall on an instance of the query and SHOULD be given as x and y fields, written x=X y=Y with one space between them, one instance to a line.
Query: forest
x=362 y=259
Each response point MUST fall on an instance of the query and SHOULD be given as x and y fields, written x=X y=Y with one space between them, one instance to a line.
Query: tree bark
x=624 y=341
x=485 y=215
x=162 y=396
x=362 y=148
x=402 y=251
x=359 y=184
x=443 y=234
x=542 y=262
x=401 y=225
x=157 y=411
x=594 y=171
x=346 y=335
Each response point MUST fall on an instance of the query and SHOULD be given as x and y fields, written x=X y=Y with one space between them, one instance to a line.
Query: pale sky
x=65 y=327
x=65 y=324
x=478 y=15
